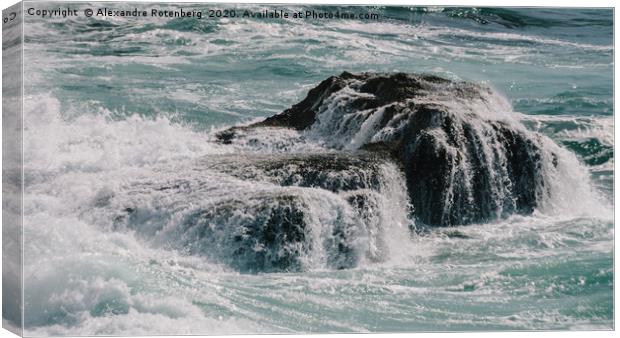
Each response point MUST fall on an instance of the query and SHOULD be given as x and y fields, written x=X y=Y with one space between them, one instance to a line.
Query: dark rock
x=462 y=171
x=336 y=171
x=260 y=234
x=301 y=115
x=266 y=233
x=465 y=161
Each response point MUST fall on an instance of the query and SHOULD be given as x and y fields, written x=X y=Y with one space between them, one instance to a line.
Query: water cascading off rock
x=464 y=158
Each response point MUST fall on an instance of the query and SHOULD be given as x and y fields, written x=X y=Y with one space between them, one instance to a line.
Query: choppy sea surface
x=116 y=106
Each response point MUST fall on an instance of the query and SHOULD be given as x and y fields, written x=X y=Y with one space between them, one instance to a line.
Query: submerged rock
x=279 y=230
x=465 y=160
x=264 y=213
x=261 y=233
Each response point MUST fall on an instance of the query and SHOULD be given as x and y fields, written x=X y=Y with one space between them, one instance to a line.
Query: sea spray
x=258 y=218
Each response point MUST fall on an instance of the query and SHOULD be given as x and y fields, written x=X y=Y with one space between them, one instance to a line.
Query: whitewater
x=122 y=164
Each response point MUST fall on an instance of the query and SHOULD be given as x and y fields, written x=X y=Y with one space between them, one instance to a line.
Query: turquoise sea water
x=114 y=103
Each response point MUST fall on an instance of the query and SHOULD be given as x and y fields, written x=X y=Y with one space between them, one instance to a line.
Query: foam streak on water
x=120 y=159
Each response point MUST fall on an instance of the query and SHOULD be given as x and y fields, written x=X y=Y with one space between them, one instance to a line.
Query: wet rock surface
x=464 y=159
x=337 y=171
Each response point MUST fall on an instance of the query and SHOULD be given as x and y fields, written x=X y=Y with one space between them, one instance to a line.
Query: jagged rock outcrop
x=465 y=160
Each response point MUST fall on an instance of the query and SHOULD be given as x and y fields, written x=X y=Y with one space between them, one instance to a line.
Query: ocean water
x=121 y=114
